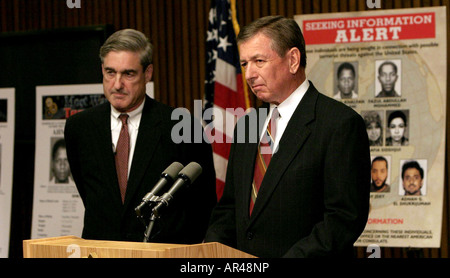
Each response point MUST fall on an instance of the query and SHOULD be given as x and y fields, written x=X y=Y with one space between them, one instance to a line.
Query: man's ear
x=294 y=60
x=148 y=73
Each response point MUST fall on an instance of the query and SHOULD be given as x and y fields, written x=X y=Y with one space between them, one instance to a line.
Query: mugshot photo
x=3 y=110
x=388 y=78
x=346 y=81
x=374 y=126
x=380 y=174
x=59 y=165
x=413 y=177
x=397 y=128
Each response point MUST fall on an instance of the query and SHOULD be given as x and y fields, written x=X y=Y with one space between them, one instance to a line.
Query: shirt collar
x=288 y=106
x=133 y=119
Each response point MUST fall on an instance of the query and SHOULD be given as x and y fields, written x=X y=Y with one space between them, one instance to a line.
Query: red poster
x=370 y=28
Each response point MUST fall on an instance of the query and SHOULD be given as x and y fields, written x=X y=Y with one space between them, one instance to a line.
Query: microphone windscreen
x=192 y=171
x=173 y=170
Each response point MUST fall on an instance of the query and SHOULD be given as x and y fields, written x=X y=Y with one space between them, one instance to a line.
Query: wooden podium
x=75 y=247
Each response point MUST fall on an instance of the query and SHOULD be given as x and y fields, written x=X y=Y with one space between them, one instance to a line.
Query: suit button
x=250 y=235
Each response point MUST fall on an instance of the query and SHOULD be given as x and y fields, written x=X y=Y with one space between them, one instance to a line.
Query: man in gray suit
x=313 y=200
x=93 y=139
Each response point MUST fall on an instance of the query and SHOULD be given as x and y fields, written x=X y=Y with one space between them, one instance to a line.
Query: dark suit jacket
x=314 y=199
x=91 y=158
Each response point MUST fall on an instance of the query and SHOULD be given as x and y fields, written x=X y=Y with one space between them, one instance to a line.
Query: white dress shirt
x=134 y=119
x=286 y=109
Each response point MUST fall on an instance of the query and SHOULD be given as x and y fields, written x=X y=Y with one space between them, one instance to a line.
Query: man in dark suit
x=314 y=197
x=93 y=140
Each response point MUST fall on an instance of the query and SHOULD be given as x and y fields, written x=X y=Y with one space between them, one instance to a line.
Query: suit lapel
x=102 y=133
x=291 y=142
x=248 y=158
x=147 y=140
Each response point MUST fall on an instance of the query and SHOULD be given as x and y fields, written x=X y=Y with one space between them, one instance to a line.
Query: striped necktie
x=263 y=157
x=122 y=154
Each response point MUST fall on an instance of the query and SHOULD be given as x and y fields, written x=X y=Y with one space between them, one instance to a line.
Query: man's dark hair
x=387 y=63
x=412 y=164
x=59 y=144
x=284 y=33
x=380 y=158
x=347 y=66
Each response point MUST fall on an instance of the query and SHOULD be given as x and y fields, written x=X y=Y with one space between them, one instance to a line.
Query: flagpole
x=236 y=31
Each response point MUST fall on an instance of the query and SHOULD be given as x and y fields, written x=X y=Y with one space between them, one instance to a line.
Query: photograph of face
x=380 y=174
x=388 y=75
x=374 y=126
x=60 y=170
x=3 y=110
x=397 y=128
x=413 y=177
x=346 y=80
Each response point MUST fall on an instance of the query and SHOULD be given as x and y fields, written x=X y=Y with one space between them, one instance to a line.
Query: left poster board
x=7 y=114
x=57 y=207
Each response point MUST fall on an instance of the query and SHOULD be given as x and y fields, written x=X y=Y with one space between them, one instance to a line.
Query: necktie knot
x=124 y=118
x=268 y=140
x=272 y=127
x=275 y=114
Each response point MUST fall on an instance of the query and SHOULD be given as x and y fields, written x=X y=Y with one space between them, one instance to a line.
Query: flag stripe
x=227 y=77
x=221 y=162
x=222 y=149
x=224 y=121
x=227 y=98
x=221 y=129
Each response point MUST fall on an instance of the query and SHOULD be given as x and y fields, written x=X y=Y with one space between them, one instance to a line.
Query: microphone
x=168 y=175
x=186 y=176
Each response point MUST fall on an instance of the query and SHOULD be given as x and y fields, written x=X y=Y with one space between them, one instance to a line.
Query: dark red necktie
x=122 y=154
x=263 y=157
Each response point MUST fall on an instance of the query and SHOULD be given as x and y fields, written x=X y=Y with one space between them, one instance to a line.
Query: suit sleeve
x=72 y=154
x=346 y=181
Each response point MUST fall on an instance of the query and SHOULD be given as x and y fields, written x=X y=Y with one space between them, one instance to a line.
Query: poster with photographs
x=390 y=67
x=57 y=207
x=7 y=112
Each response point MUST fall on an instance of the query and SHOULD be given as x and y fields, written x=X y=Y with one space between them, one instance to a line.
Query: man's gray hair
x=129 y=40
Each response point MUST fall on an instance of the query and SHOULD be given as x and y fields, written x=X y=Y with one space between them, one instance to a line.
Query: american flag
x=225 y=90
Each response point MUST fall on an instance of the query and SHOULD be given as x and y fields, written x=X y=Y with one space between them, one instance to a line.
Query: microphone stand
x=148 y=231
x=155 y=214
x=156 y=204
x=151 y=203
